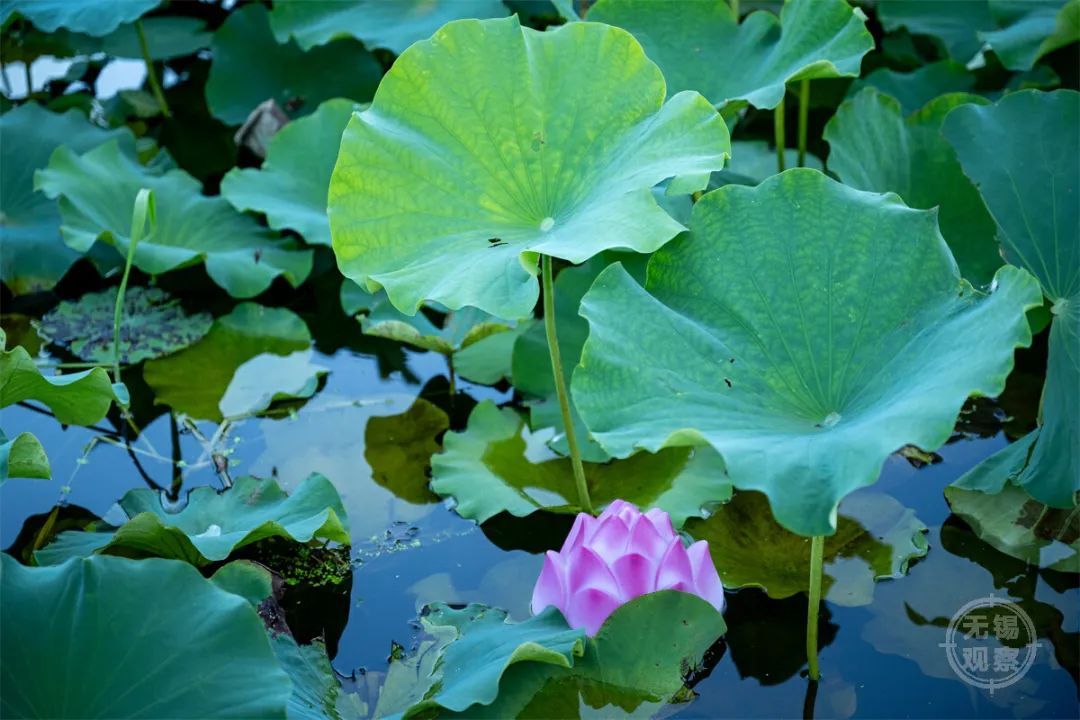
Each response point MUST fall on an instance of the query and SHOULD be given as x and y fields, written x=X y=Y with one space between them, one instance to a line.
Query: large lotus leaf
x=876 y=539
x=754 y=160
x=805 y=357
x=873 y=147
x=390 y=24
x=166 y=38
x=97 y=191
x=112 y=637
x=1009 y=519
x=460 y=329
x=917 y=88
x=490 y=360
x=84 y=16
x=399 y=449
x=250 y=67
x=498 y=465
x=245 y=578
x=476 y=156
x=154 y=324
x=291 y=186
x=1030 y=181
x=1030 y=29
x=213 y=524
x=33 y=256
x=23 y=457
x=268 y=378
x=80 y=398
x=315 y=687
x=249 y=330
x=954 y=22
x=700 y=46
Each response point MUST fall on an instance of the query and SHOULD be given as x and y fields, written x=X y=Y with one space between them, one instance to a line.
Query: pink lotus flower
x=612 y=559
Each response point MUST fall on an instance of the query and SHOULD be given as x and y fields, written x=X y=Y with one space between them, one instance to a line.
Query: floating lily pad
x=154 y=324
x=915 y=89
x=84 y=16
x=154 y=639
x=498 y=465
x=97 y=191
x=23 y=457
x=213 y=524
x=33 y=256
x=250 y=67
x=876 y=539
x=249 y=330
x=399 y=448
x=268 y=378
x=804 y=357
x=456 y=207
x=1030 y=181
x=291 y=186
x=394 y=25
x=873 y=147
x=700 y=46
x=80 y=398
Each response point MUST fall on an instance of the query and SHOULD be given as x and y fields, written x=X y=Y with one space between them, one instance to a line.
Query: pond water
x=880 y=660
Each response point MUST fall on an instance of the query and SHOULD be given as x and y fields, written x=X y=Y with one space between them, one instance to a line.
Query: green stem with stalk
x=560 y=385
x=804 y=115
x=143 y=211
x=151 y=74
x=778 y=135
x=817 y=557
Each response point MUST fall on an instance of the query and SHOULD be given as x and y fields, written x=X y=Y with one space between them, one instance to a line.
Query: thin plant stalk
x=817 y=557
x=804 y=116
x=143 y=210
x=560 y=385
x=29 y=76
x=778 y=135
x=735 y=9
x=151 y=74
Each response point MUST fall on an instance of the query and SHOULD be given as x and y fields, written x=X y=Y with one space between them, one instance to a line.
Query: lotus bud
x=612 y=559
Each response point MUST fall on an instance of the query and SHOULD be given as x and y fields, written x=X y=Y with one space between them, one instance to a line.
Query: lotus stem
x=817 y=557
x=804 y=115
x=735 y=9
x=151 y=74
x=778 y=135
x=28 y=75
x=560 y=385
x=144 y=208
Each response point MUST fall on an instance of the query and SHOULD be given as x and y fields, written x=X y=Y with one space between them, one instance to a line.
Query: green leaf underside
x=290 y=188
x=249 y=330
x=154 y=324
x=268 y=378
x=250 y=67
x=498 y=465
x=525 y=155
x=81 y=398
x=691 y=39
x=23 y=457
x=315 y=687
x=213 y=524
x=865 y=341
x=873 y=147
x=154 y=639
x=85 y=16
x=490 y=360
x=876 y=539
x=461 y=328
x=399 y=449
x=33 y=256
x=378 y=24
x=1030 y=181
x=96 y=192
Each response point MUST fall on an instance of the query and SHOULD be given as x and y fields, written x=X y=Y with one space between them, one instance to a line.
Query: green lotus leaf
x=873 y=147
x=498 y=465
x=33 y=256
x=84 y=16
x=290 y=188
x=315 y=687
x=97 y=191
x=700 y=46
x=154 y=639
x=455 y=207
x=489 y=360
x=390 y=24
x=753 y=160
x=805 y=358
x=1030 y=181
x=915 y=89
x=80 y=398
x=166 y=38
x=249 y=330
x=213 y=524
x=245 y=578
x=876 y=539
x=1031 y=29
x=399 y=448
x=1009 y=519
x=955 y=23
x=154 y=324
x=250 y=67
x=23 y=457
x=268 y=378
